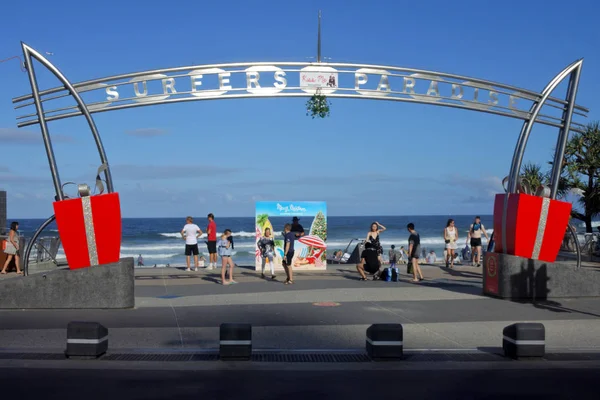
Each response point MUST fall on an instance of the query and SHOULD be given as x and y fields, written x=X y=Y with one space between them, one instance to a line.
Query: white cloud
x=24 y=137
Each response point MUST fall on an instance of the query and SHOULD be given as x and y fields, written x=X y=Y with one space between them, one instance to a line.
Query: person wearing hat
x=297 y=228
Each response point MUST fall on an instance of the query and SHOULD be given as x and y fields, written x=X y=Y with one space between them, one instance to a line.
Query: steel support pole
x=563 y=136
x=319 y=40
x=42 y=120
x=82 y=107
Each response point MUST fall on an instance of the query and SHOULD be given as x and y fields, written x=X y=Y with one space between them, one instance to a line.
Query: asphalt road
x=525 y=383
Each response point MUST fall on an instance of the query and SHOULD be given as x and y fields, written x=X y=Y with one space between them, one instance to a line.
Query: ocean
x=159 y=242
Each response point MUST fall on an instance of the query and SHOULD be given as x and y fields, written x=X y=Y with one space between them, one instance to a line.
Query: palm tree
x=261 y=220
x=582 y=165
x=532 y=176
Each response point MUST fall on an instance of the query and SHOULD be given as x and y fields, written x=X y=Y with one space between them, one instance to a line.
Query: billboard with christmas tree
x=307 y=216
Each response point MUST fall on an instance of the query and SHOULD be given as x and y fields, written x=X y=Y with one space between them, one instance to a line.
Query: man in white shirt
x=190 y=233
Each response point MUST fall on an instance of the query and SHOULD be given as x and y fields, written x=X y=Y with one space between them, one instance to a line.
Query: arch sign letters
x=87 y=224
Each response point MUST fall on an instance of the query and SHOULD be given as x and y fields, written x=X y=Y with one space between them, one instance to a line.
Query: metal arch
x=528 y=125
x=31 y=243
x=280 y=95
x=43 y=125
x=574 y=71
x=296 y=64
x=30 y=52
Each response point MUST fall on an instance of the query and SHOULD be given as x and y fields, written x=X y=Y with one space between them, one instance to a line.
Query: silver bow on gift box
x=81 y=188
x=523 y=187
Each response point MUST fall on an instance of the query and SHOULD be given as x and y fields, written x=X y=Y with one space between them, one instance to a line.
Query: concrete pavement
x=177 y=309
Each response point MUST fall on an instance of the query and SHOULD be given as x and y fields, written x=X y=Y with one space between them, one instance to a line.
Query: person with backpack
x=475 y=231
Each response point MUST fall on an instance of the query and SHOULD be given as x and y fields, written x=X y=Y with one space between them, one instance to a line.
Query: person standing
x=12 y=248
x=475 y=231
x=224 y=250
x=414 y=250
x=393 y=256
x=373 y=238
x=211 y=232
x=450 y=237
x=190 y=233
x=288 y=238
x=297 y=229
x=140 y=261
x=266 y=245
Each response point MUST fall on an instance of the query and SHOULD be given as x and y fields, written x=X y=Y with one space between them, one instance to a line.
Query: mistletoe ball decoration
x=318 y=106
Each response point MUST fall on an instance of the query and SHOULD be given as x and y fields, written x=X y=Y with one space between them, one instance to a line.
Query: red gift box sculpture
x=535 y=225
x=89 y=228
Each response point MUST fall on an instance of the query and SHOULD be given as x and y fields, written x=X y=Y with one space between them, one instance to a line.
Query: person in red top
x=211 y=231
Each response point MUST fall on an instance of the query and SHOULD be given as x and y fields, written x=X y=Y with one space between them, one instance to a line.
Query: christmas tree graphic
x=319 y=226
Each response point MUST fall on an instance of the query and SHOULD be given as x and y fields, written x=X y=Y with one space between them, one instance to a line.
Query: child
x=266 y=245
x=393 y=256
x=224 y=250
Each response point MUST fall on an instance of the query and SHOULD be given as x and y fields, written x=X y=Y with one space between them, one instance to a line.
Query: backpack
x=390 y=274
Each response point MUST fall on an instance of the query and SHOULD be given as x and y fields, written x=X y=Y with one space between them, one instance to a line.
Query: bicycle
x=591 y=245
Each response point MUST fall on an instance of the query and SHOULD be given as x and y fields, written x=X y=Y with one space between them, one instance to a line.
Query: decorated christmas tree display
x=319 y=226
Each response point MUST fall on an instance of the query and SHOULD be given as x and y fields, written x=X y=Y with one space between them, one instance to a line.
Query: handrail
x=577 y=246
x=32 y=241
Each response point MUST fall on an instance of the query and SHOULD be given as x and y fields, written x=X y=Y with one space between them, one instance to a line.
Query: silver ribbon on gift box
x=88 y=220
x=542 y=191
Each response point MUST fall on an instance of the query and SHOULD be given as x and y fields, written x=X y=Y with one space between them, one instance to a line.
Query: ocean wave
x=204 y=235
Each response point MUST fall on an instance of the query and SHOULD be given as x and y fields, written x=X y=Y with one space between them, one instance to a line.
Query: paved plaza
x=329 y=309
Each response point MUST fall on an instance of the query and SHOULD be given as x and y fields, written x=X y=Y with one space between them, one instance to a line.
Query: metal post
x=563 y=135
x=82 y=107
x=526 y=131
x=42 y=120
x=319 y=40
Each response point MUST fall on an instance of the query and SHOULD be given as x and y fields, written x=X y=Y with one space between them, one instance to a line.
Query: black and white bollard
x=524 y=340
x=384 y=341
x=235 y=342
x=86 y=340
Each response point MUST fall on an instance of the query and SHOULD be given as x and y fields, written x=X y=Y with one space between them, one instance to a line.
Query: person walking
x=190 y=233
x=475 y=231
x=13 y=249
x=450 y=238
x=393 y=255
x=211 y=244
x=288 y=238
x=414 y=250
x=224 y=250
x=266 y=245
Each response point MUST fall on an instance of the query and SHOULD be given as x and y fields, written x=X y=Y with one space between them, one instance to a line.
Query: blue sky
x=367 y=158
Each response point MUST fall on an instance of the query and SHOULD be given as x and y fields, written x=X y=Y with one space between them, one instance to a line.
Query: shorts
x=475 y=242
x=268 y=256
x=371 y=268
x=415 y=253
x=288 y=258
x=451 y=246
x=212 y=246
x=191 y=249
